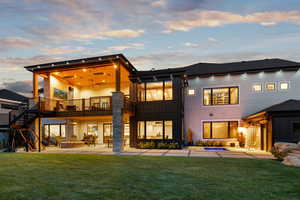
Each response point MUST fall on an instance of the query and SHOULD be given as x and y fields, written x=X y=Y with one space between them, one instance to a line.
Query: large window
x=155 y=91
x=54 y=130
x=155 y=130
x=220 y=130
x=220 y=96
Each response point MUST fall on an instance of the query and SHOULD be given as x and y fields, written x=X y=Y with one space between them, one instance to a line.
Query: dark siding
x=161 y=110
x=283 y=127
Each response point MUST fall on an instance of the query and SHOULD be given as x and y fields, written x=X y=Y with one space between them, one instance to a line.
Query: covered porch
x=79 y=132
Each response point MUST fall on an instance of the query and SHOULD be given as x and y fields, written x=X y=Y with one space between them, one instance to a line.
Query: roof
x=291 y=105
x=88 y=61
x=241 y=67
x=208 y=69
x=13 y=96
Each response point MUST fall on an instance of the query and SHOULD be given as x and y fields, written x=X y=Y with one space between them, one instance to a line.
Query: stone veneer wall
x=118 y=125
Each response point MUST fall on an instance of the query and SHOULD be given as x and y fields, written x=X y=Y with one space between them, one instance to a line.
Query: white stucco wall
x=249 y=101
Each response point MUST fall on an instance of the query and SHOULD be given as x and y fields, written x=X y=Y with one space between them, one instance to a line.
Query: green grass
x=61 y=176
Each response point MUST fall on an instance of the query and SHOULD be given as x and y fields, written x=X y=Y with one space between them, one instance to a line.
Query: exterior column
x=35 y=85
x=118 y=124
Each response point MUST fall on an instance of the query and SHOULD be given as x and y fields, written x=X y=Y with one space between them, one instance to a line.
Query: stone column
x=118 y=125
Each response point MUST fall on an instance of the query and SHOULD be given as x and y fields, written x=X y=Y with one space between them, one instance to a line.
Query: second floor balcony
x=100 y=105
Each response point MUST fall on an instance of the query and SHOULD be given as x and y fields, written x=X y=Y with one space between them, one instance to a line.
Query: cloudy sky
x=151 y=33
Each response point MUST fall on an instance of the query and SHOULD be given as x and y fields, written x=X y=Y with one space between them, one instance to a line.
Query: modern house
x=108 y=98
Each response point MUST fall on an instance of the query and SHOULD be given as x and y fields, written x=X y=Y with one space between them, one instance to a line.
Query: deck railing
x=101 y=103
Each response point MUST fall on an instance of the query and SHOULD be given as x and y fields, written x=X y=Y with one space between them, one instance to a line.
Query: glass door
x=107 y=133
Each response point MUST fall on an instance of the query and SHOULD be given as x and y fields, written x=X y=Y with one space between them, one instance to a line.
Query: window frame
x=268 y=90
x=190 y=89
x=229 y=96
x=261 y=88
x=211 y=128
x=283 y=90
x=163 y=128
x=163 y=88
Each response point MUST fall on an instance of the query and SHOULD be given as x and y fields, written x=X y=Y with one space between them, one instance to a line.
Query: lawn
x=61 y=176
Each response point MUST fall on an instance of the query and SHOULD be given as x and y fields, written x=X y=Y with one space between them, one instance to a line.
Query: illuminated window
x=168 y=90
x=155 y=91
x=284 y=86
x=221 y=96
x=141 y=130
x=155 y=130
x=191 y=92
x=257 y=88
x=168 y=130
x=271 y=86
x=220 y=130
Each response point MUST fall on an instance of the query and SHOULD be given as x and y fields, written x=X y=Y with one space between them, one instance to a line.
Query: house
x=108 y=98
x=9 y=101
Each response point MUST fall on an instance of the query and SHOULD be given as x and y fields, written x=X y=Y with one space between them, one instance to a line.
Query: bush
x=279 y=154
x=159 y=145
x=210 y=143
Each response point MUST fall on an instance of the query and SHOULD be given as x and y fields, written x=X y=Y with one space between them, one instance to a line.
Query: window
x=155 y=130
x=168 y=90
x=53 y=130
x=284 y=85
x=168 y=130
x=220 y=130
x=220 y=96
x=270 y=86
x=257 y=88
x=155 y=91
x=141 y=130
x=191 y=92
x=296 y=130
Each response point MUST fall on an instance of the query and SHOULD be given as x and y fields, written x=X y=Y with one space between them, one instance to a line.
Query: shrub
x=210 y=143
x=159 y=145
x=279 y=154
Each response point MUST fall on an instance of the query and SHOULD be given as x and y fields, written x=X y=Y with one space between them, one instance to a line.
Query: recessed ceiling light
x=84 y=70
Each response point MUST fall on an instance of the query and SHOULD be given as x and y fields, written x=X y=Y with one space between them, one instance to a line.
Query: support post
x=118 y=124
x=118 y=76
x=35 y=85
x=39 y=134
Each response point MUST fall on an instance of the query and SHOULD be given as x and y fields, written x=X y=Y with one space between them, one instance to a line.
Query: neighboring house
x=108 y=98
x=9 y=101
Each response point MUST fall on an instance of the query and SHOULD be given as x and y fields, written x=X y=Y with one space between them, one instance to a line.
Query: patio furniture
x=71 y=108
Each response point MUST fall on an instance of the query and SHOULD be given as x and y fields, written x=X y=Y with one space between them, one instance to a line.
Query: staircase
x=21 y=134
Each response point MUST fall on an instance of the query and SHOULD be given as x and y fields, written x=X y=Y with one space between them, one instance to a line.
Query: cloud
x=189 y=44
x=16 y=43
x=212 y=18
x=212 y=39
x=119 y=48
x=23 y=87
x=159 y=3
x=125 y=33
x=61 y=50
x=16 y=64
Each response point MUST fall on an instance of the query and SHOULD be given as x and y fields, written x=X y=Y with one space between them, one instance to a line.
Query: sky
x=150 y=33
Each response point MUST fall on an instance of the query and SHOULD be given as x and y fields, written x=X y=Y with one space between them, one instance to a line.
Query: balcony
x=101 y=105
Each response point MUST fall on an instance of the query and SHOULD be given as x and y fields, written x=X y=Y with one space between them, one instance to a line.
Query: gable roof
x=10 y=95
x=254 y=66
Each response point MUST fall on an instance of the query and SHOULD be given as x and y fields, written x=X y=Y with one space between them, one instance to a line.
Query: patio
x=192 y=151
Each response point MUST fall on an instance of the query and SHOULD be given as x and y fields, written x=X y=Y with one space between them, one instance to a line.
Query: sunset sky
x=152 y=34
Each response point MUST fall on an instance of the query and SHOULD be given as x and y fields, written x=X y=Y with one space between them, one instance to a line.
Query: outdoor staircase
x=21 y=134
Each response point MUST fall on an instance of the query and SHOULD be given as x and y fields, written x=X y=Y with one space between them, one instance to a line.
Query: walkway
x=187 y=152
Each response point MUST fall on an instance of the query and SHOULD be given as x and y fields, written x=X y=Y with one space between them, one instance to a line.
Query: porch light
x=84 y=70
x=115 y=66
x=83 y=61
x=56 y=73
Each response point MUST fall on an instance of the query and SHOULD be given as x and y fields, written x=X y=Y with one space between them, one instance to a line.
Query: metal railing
x=101 y=103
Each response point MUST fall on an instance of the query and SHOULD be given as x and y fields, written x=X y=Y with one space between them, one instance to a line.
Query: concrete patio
x=193 y=151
